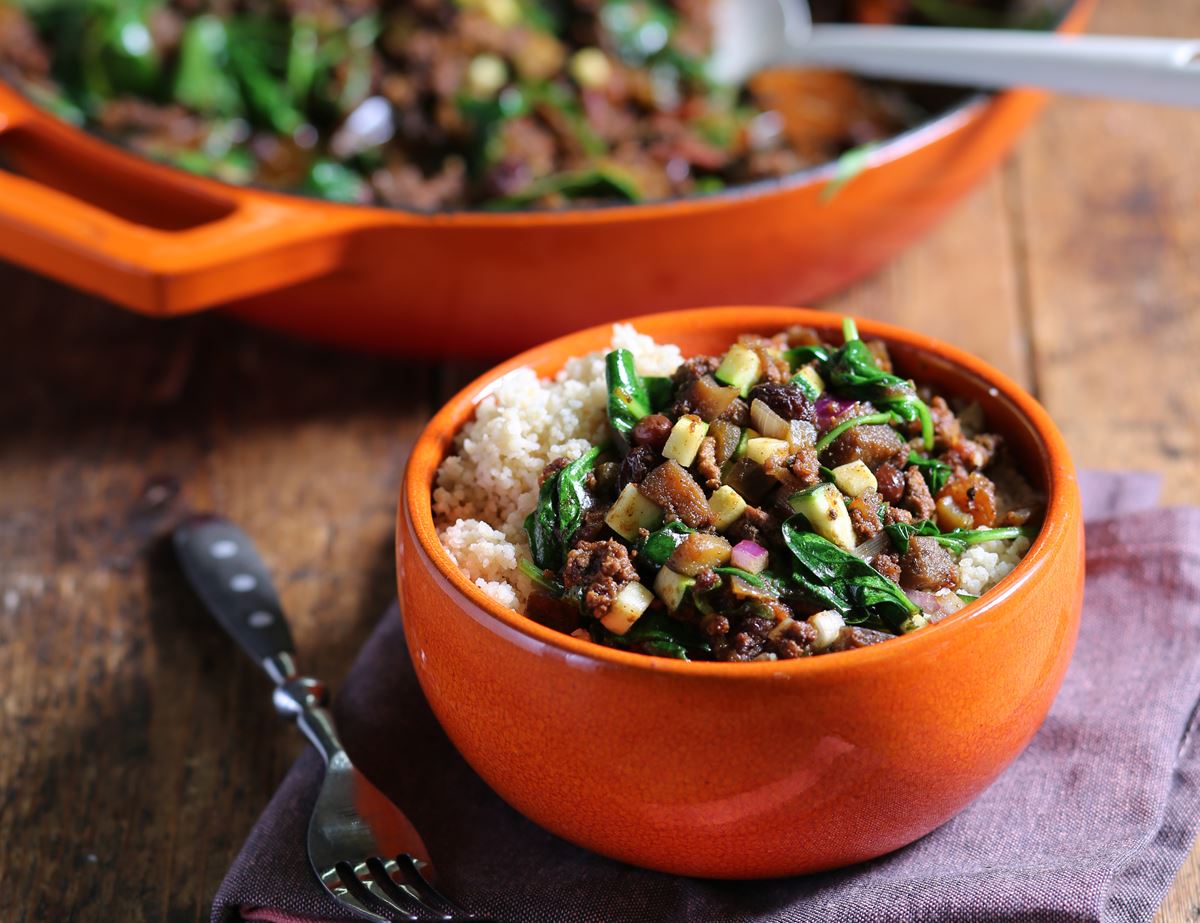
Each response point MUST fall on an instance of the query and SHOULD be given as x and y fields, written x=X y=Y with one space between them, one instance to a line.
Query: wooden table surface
x=138 y=747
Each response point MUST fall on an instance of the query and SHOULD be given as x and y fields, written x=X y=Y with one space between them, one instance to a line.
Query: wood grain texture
x=1107 y=194
x=138 y=746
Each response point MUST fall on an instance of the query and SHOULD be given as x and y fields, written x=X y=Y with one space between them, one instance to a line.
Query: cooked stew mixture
x=436 y=104
x=789 y=498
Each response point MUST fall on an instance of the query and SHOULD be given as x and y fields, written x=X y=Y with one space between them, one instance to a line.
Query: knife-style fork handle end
x=227 y=573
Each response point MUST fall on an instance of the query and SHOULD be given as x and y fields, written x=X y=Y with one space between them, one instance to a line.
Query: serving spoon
x=753 y=35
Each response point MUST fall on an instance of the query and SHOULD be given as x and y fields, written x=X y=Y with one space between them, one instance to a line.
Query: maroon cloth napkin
x=1090 y=823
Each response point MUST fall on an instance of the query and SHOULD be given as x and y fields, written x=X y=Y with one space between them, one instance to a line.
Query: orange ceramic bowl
x=759 y=769
x=163 y=242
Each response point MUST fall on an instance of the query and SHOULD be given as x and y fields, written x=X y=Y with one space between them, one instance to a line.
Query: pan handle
x=151 y=238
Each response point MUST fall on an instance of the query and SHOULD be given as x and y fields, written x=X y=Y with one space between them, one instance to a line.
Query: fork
x=361 y=846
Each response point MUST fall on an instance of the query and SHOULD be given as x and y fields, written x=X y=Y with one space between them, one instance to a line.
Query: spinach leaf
x=803 y=355
x=805 y=386
x=661 y=544
x=849 y=165
x=659 y=390
x=628 y=401
x=266 y=97
x=956 y=541
x=841 y=581
x=573 y=498
x=603 y=179
x=538 y=576
x=562 y=501
x=331 y=180
x=935 y=471
x=852 y=371
x=752 y=579
x=657 y=633
x=544 y=544
x=202 y=79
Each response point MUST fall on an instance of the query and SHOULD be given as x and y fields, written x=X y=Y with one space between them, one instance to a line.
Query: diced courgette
x=627 y=608
x=684 y=442
x=671 y=587
x=727 y=507
x=741 y=368
x=854 y=478
x=826 y=512
x=758 y=450
x=631 y=512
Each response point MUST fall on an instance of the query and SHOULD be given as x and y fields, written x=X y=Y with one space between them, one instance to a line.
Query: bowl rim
x=1069 y=17
x=416 y=509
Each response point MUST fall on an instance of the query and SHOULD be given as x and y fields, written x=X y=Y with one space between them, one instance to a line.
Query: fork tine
x=392 y=876
x=415 y=867
x=366 y=877
x=332 y=880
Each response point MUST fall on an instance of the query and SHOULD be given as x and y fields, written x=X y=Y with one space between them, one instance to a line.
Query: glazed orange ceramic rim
x=436 y=439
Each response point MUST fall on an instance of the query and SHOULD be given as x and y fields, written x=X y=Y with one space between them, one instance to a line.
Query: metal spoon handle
x=1155 y=70
x=227 y=573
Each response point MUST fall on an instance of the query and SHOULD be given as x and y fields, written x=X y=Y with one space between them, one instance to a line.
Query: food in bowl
x=788 y=498
x=438 y=104
x=738 y=770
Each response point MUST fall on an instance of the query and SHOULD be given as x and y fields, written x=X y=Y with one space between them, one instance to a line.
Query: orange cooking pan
x=164 y=243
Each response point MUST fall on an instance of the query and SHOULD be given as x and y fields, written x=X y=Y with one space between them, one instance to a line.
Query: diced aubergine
x=709 y=398
x=826 y=512
x=699 y=551
x=673 y=488
x=631 y=512
x=749 y=480
x=684 y=442
x=854 y=478
x=727 y=507
x=672 y=588
x=627 y=608
x=727 y=437
x=758 y=450
x=740 y=368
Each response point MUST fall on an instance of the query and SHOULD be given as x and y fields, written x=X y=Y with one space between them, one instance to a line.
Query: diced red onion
x=749 y=556
x=767 y=421
x=830 y=409
x=935 y=605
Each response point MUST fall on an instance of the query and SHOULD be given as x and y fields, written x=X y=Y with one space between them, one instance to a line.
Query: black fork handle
x=227 y=573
